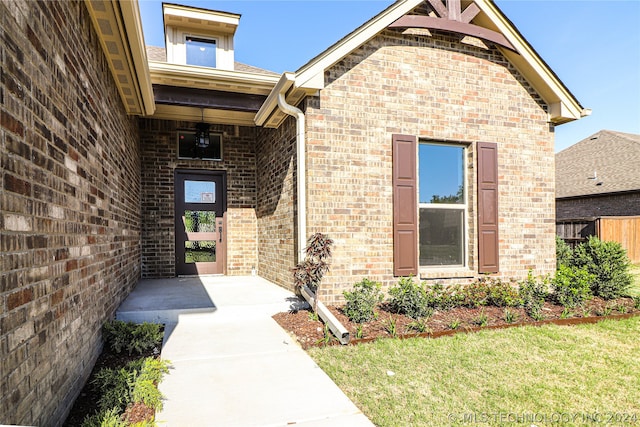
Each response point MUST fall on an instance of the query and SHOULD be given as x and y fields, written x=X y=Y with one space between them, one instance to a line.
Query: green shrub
x=362 y=301
x=564 y=253
x=109 y=418
x=452 y=296
x=502 y=294
x=409 y=298
x=532 y=295
x=136 y=382
x=113 y=387
x=132 y=337
x=608 y=262
x=473 y=295
x=572 y=286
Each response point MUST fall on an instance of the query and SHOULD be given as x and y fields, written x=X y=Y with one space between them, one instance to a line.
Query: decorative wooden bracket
x=454 y=20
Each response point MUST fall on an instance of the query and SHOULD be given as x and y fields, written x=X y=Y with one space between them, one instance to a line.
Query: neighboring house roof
x=478 y=17
x=606 y=162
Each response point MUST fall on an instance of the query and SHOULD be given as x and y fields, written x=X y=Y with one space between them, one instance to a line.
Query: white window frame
x=177 y=47
x=464 y=207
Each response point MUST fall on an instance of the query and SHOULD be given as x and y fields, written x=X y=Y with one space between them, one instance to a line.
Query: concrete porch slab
x=232 y=364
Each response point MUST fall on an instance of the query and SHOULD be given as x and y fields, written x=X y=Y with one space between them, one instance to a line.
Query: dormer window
x=199 y=37
x=201 y=51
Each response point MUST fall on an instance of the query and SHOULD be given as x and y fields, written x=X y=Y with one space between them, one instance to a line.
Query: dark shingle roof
x=156 y=53
x=606 y=162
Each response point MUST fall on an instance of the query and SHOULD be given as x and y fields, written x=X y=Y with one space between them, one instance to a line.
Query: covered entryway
x=200 y=206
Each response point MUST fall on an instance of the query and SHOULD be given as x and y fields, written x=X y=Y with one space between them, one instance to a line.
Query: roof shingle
x=606 y=162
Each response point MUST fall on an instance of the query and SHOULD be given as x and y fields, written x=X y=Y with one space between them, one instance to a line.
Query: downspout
x=334 y=324
x=301 y=170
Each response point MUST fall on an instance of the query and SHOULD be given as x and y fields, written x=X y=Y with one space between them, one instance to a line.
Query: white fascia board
x=284 y=84
x=135 y=36
x=308 y=75
x=570 y=107
x=205 y=77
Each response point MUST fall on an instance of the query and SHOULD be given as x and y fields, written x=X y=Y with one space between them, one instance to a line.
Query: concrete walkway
x=232 y=364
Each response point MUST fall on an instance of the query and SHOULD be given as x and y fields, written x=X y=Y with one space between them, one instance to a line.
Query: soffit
x=119 y=28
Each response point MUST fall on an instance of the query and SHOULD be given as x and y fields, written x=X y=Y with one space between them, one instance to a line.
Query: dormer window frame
x=177 y=47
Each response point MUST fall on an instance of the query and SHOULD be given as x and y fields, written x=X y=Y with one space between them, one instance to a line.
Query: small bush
x=136 y=382
x=409 y=298
x=532 y=295
x=132 y=337
x=310 y=271
x=474 y=295
x=608 y=262
x=564 y=253
x=502 y=294
x=110 y=418
x=452 y=296
x=362 y=301
x=572 y=286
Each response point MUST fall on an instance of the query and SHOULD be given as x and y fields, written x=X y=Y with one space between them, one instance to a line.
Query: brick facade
x=624 y=204
x=69 y=207
x=276 y=208
x=436 y=88
x=159 y=162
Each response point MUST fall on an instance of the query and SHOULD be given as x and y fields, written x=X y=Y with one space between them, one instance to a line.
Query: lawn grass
x=550 y=374
x=635 y=285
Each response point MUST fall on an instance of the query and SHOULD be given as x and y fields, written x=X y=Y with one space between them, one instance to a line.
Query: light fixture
x=202 y=137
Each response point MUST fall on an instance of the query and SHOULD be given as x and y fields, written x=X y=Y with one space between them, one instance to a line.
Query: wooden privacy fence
x=622 y=229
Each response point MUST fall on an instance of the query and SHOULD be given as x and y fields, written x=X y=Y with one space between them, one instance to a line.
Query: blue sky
x=593 y=46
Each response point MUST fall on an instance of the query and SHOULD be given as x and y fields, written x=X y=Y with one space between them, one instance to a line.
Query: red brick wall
x=436 y=88
x=160 y=160
x=69 y=206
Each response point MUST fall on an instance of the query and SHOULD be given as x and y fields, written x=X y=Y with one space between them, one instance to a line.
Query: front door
x=200 y=227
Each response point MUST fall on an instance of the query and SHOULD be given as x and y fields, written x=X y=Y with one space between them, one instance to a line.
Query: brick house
x=598 y=176
x=421 y=142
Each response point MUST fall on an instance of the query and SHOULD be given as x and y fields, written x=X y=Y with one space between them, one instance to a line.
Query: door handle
x=220 y=232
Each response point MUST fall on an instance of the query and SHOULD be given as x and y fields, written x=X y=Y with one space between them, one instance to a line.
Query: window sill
x=446 y=273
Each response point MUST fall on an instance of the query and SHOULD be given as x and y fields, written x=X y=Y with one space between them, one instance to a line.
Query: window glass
x=442 y=204
x=199 y=192
x=441 y=174
x=201 y=52
x=441 y=236
x=188 y=149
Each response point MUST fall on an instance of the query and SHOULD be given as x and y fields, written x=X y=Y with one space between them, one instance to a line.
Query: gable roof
x=606 y=162
x=563 y=106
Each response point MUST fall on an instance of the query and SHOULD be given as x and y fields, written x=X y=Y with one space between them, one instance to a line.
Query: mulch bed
x=310 y=333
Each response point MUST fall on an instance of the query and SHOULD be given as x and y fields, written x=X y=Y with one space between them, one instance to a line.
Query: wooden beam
x=453 y=7
x=469 y=13
x=439 y=7
x=203 y=98
x=418 y=21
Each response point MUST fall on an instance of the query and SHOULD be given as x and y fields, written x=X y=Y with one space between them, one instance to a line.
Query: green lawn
x=635 y=287
x=551 y=375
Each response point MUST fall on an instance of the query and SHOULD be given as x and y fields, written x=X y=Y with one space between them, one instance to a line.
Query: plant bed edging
x=468 y=329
